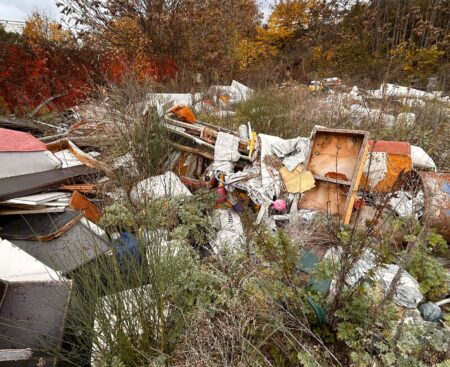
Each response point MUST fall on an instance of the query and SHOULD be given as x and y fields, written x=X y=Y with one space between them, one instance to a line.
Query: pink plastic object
x=279 y=205
x=221 y=194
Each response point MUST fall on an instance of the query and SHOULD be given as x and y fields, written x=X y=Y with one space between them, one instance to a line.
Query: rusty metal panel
x=437 y=201
x=33 y=315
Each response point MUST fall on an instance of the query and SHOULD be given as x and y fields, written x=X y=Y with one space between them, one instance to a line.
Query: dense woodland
x=189 y=41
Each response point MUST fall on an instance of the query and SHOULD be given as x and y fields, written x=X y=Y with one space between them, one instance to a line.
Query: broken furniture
x=336 y=160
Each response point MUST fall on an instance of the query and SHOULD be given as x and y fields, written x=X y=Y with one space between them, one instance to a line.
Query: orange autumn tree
x=39 y=29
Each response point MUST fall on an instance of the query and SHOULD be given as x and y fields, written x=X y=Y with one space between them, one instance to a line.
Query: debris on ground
x=52 y=193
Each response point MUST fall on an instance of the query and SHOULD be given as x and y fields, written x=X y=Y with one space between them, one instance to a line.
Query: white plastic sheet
x=421 y=160
x=168 y=184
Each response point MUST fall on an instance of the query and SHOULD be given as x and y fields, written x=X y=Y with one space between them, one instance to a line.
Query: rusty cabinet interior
x=336 y=159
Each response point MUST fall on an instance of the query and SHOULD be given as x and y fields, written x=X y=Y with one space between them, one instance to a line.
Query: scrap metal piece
x=34 y=315
x=33 y=183
x=40 y=227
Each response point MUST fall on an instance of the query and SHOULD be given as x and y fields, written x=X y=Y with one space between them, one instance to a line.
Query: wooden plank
x=84 y=158
x=55 y=209
x=332 y=180
x=37 y=198
x=13 y=355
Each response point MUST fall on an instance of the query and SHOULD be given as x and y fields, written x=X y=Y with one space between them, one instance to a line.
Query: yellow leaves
x=39 y=28
x=126 y=35
x=249 y=52
x=286 y=19
x=417 y=61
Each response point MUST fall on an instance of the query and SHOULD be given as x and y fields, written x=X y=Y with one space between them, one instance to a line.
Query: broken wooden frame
x=336 y=159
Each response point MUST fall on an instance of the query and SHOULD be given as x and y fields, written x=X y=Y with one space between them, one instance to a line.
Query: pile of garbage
x=362 y=105
x=51 y=191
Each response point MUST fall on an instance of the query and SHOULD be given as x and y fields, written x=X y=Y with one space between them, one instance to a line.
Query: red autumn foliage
x=29 y=75
x=114 y=68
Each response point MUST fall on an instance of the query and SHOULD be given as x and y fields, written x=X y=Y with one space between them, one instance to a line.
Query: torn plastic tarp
x=237 y=92
x=407 y=292
x=231 y=232
x=168 y=184
x=373 y=115
x=393 y=90
x=249 y=180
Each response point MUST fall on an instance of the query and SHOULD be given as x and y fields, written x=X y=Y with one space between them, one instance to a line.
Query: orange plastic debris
x=225 y=98
x=184 y=113
x=90 y=210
